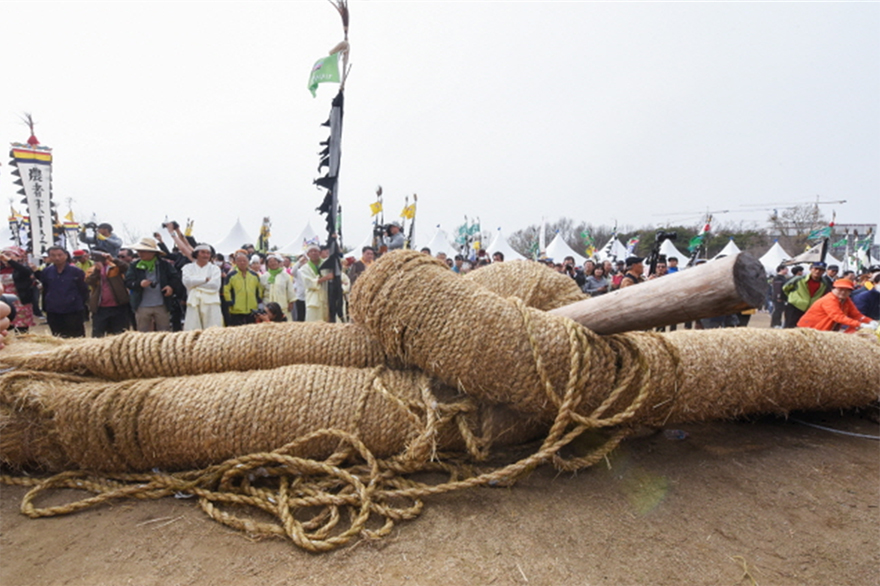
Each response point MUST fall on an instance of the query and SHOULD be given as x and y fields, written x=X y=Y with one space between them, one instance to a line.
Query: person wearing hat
x=152 y=283
x=82 y=261
x=202 y=280
x=393 y=238
x=867 y=297
x=242 y=292
x=836 y=310
x=802 y=292
x=104 y=239
x=635 y=267
x=278 y=285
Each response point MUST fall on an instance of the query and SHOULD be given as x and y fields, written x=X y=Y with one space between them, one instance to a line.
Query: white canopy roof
x=613 y=249
x=500 y=244
x=668 y=249
x=774 y=257
x=440 y=243
x=729 y=249
x=298 y=244
x=558 y=250
x=233 y=241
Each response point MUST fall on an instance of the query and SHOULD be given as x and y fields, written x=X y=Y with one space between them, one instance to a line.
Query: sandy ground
x=767 y=501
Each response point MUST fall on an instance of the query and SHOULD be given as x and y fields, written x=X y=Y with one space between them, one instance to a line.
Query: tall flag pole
x=33 y=167
x=327 y=70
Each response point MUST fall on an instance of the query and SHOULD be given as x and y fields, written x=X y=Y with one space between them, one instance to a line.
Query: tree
x=792 y=225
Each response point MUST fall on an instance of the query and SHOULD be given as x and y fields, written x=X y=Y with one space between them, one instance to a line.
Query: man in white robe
x=202 y=280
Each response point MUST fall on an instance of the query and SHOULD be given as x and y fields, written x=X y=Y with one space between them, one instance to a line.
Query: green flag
x=324 y=70
x=820 y=233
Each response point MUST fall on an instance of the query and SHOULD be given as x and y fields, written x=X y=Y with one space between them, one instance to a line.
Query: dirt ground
x=767 y=501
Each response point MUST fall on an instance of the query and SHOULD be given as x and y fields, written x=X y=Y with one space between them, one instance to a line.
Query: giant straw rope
x=302 y=417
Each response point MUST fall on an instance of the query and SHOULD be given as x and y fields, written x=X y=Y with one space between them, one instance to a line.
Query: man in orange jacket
x=835 y=310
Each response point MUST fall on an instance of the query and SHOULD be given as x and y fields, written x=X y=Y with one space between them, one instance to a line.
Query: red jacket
x=829 y=312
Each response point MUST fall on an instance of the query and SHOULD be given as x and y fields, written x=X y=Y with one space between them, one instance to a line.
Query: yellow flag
x=409 y=212
x=69 y=216
x=375 y=208
x=189 y=228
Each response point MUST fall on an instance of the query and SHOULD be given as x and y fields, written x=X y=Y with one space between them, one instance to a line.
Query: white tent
x=773 y=258
x=612 y=250
x=233 y=241
x=812 y=255
x=500 y=244
x=668 y=249
x=298 y=244
x=558 y=250
x=729 y=249
x=440 y=243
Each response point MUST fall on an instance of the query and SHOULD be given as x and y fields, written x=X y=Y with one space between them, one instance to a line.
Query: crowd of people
x=151 y=287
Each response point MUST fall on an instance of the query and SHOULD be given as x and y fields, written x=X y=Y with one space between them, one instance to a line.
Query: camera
x=90 y=226
x=662 y=235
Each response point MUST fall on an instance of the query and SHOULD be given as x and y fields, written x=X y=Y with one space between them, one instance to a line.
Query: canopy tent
x=729 y=249
x=233 y=241
x=298 y=244
x=558 y=250
x=440 y=243
x=500 y=244
x=613 y=250
x=668 y=249
x=774 y=257
x=812 y=255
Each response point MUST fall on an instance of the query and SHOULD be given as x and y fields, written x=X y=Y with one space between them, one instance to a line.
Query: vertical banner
x=33 y=165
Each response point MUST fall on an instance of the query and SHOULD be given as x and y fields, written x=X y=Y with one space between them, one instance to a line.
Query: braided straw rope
x=535 y=283
x=565 y=378
x=263 y=346
x=425 y=317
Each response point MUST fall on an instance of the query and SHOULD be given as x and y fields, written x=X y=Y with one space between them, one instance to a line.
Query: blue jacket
x=63 y=292
x=868 y=302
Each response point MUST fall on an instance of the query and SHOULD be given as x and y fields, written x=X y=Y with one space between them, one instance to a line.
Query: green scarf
x=274 y=273
x=147 y=265
x=315 y=268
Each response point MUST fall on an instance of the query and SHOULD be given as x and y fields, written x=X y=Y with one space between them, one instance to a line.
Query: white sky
x=510 y=111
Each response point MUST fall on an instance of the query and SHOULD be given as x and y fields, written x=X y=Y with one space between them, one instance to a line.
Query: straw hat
x=147 y=245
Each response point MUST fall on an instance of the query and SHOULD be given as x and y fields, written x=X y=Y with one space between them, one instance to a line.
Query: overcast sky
x=643 y=113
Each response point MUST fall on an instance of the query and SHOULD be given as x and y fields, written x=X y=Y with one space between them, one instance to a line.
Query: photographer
x=102 y=238
x=393 y=238
x=108 y=296
x=572 y=271
x=152 y=282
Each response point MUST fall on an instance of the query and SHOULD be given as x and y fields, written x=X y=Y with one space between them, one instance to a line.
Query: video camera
x=659 y=237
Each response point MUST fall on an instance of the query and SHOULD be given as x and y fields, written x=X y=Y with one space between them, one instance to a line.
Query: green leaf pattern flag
x=324 y=70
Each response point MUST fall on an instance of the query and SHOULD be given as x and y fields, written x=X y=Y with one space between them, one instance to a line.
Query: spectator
x=779 y=298
x=802 y=292
x=152 y=283
x=597 y=283
x=202 y=280
x=108 y=297
x=498 y=256
x=104 y=239
x=673 y=265
x=64 y=295
x=17 y=279
x=317 y=304
x=836 y=310
x=393 y=238
x=635 y=268
x=273 y=313
x=867 y=299
x=367 y=257
x=242 y=292
x=278 y=286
